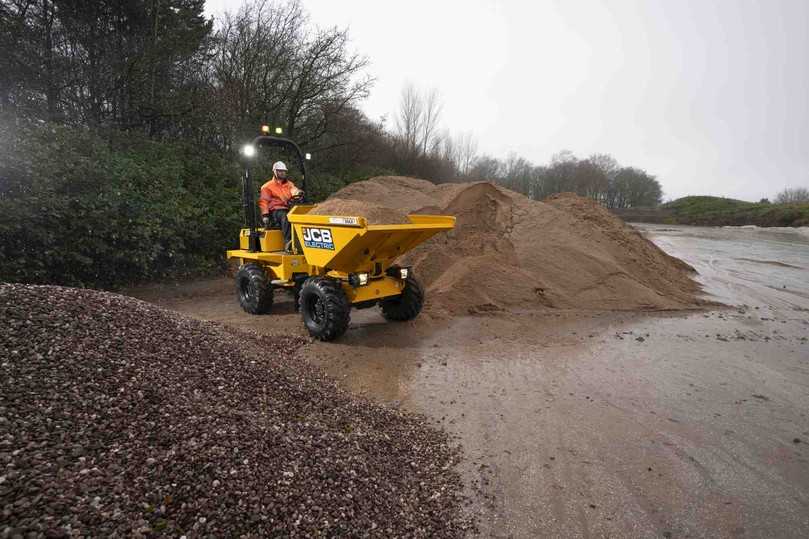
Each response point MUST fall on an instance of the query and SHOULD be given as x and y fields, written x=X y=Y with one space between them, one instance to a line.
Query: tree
x=431 y=116
x=634 y=188
x=590 y=180
x=794 y=195
x=485 y=168
x=606 y=163
x=417 y=120
x=409 y=119
x=271 y=66
x=599 y=177
x=518 y=174
x=467 y=147
x=324 y=80
x=32 y=70
x=133 y=64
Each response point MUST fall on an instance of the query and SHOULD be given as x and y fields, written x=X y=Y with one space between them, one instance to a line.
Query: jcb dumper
x=333 y=263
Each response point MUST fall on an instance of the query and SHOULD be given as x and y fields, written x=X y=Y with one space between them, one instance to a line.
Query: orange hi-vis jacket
x=276 y=195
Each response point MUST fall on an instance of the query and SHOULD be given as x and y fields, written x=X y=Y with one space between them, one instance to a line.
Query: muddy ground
x=593 y=424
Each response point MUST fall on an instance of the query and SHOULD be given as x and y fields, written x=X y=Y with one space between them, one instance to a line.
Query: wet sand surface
x=678 y=424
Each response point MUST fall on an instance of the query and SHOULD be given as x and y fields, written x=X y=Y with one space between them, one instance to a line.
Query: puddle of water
x=743 y=265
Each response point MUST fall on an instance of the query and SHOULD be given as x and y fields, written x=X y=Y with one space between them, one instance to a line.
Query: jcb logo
x=318 y=238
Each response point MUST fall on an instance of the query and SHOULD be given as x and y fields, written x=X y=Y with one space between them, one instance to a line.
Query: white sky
x=711 y=96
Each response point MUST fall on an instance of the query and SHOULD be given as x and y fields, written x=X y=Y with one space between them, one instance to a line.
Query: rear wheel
x=407 y=305
x=324 y=307
x=253 y=289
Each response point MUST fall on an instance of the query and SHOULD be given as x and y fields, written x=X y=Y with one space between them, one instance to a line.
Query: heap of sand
x=510 y=252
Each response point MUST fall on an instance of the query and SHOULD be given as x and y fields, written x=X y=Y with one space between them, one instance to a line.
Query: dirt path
x=601 y=424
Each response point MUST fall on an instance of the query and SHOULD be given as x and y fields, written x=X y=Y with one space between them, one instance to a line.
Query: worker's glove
x=266 y=220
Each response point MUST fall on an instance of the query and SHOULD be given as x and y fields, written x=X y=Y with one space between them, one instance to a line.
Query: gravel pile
x=120 y=418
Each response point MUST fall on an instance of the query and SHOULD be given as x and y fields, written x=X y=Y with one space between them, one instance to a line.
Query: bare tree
x=272 y=67
x=410 y=118
x=486 y=168
x=431 y=116
x=325 y=80
x=793 y=195
x=564 y=156
x=467 y=148
x=605 y=163
x=518 y=174
x=447 y=149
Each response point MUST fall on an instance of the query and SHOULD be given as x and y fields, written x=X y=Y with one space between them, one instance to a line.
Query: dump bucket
x=349 y=244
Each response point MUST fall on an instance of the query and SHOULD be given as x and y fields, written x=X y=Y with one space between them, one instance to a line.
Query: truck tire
x=405 y=306
x=253 y=289
x=324 y=308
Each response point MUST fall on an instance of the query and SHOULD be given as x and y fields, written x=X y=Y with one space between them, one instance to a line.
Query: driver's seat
x=274 y=224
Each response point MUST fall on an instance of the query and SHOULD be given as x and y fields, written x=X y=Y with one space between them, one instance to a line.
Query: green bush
x=110 y=208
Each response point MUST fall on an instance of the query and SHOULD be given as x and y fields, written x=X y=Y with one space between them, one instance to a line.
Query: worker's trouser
x=280 y=217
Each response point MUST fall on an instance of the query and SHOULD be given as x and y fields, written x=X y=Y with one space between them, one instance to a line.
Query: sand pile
x=510 y=252
x=373 y=213
x=118 y=418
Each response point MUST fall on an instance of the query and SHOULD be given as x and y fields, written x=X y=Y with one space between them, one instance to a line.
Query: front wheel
x=253 y=289
x=407 y=305
x=324 y=307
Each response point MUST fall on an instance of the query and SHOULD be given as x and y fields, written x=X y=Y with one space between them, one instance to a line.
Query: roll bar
x=247 y=186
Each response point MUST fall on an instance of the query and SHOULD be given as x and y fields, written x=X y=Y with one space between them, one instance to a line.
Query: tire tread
x=338 y=309
x=406 y=306
x=261 y=291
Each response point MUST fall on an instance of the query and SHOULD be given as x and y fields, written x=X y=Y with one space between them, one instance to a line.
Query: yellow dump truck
x=333 y=263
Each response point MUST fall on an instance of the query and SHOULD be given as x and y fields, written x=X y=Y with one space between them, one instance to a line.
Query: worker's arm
x=295 y=191
x=264 y=200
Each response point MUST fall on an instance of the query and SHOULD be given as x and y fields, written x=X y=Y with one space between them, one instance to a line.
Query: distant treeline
x=599 y=177
x=418 y=147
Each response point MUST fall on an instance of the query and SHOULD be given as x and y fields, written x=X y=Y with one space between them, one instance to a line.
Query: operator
x=275 y=198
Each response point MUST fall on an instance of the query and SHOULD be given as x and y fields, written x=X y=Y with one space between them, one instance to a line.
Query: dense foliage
x=83 y=207
x=119 y=123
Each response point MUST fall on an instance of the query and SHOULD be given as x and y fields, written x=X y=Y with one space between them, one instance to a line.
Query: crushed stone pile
x=510 y=252
x=118 y=418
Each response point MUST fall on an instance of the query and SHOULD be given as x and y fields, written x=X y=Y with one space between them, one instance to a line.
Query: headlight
x=403 y=273
x=358 y=279
x=249 y=150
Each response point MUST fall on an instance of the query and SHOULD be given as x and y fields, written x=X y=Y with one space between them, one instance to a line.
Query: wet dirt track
x=688 y=424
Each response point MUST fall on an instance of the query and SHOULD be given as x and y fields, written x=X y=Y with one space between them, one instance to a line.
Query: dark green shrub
x=108 y=208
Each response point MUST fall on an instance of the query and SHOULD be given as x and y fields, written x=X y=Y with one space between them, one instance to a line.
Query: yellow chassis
x=281 y=268
x=337 y=246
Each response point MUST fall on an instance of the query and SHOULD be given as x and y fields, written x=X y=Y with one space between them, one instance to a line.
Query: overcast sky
x=710 y=96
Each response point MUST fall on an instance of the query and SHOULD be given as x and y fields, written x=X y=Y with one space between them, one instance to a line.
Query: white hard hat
x=279 y=165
